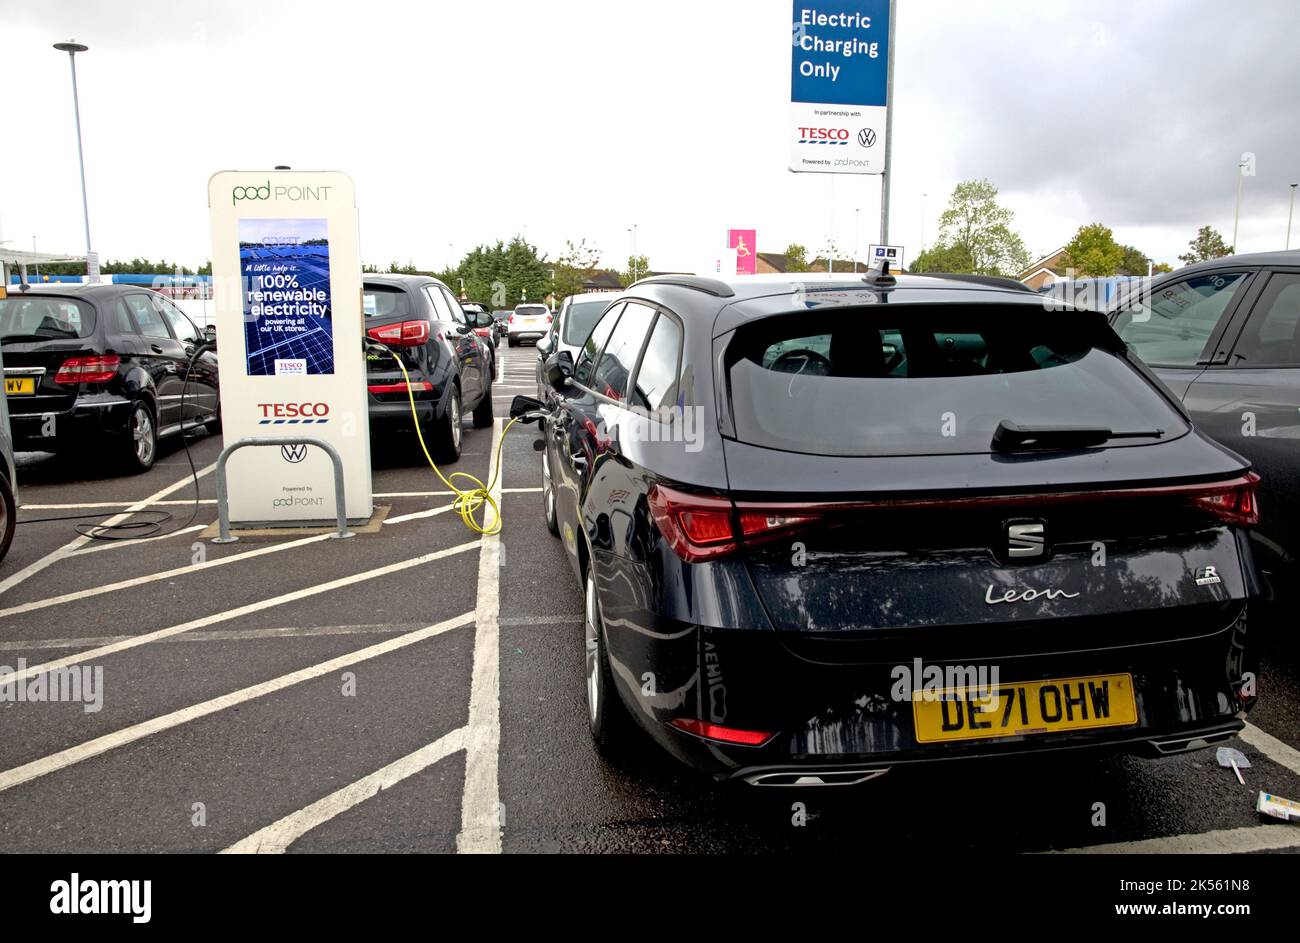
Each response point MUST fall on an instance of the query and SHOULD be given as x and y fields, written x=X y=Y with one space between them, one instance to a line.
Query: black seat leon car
x=830 y=526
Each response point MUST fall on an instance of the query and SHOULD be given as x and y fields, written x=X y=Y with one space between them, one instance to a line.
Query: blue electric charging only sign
x=839 y=81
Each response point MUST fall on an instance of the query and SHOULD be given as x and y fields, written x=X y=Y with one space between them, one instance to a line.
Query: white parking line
x=214 y=635
x=93 y=505
x=1280 y=753
x=1227 y=841
x=276 y=838
x=79 y=541
x=161 y=575
x=118 y=738
x=480 y=818
x=137 y=640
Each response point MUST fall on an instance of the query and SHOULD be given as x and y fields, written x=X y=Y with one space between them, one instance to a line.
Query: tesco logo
x=292 y=413
x=823 y=135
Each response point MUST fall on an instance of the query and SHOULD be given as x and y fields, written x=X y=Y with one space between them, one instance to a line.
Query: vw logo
x=866 y=137
x=293 y=454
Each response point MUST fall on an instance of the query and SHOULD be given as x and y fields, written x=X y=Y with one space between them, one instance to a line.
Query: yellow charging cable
x=468 y=500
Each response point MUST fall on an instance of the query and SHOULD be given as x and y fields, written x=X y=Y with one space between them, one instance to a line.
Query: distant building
x=1045 y=271
x=771 y=263
x=603 y=281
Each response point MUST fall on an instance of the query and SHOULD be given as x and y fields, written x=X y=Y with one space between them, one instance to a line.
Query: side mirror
x=210 y=334
x=544 y=345
x=463 y=329
x=527 y=409
x=558 y=369
x=483 y=319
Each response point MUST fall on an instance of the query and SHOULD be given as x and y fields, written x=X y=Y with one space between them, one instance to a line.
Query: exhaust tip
x=816 y=777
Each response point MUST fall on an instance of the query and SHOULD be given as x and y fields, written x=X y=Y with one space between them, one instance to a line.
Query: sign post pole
x=889 y=131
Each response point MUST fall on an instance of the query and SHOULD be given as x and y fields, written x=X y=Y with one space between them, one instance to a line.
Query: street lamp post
x=1236 y=215
x=72 y=48
x=1289 y=215
x=632 y=230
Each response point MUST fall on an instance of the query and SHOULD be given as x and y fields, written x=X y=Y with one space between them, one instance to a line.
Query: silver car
x=578 y=315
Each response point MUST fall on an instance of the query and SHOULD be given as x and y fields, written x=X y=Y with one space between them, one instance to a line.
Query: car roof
x=1287 y=257
x=733 y=301
x=393 y=278
x=584 y=296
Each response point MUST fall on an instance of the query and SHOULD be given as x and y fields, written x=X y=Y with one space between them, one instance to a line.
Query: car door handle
x=155 y=348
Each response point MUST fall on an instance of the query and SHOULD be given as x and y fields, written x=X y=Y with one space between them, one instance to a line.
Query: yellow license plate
x=20 y=386
x=1026 y=708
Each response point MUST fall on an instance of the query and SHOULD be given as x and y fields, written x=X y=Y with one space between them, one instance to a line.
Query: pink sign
x=744 y=242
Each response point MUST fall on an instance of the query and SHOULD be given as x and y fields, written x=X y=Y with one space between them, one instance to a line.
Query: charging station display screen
x=285 y=269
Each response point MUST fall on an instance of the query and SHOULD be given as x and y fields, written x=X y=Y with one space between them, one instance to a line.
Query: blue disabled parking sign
x=839 y=83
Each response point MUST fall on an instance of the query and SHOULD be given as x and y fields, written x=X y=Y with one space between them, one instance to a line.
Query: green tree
x=796 y=258
x=1208 y=244
x=1134 y=261
x=943 y=258
x=635 y=263
x=1161 y=267
x=1094 y=251
x=575 y=265
x=980 y=228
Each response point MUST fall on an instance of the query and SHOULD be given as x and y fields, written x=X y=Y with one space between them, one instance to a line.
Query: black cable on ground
x=126 y=530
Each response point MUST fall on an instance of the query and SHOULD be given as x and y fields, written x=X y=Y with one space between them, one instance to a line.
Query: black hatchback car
x=108 y=367
x=824 y=528
x=419 y=319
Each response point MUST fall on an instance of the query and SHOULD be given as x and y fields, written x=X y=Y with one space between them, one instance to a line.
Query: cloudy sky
x=470 y=121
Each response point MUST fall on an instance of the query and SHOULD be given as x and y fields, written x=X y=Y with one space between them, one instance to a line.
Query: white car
x=573 y=323
x=530 y=322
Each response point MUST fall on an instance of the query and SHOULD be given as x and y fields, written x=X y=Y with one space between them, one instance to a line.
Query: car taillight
x=548 y=319
x=511 y=319
x=482 y=332
x=405 y=334
x=97 y=369
x=702 y=728
x=417 y=386
x=1235 y=502
x=703 y=527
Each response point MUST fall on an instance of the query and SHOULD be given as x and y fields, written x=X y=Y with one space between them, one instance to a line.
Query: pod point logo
x=265 y=191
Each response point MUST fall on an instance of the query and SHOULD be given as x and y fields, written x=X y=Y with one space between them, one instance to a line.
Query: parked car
x=577 y=316
x=451 y=367
x=527 y=323
x=481 y=318
x=1224 y=336
x=8 y=475
x=500 y=320
x=781 y=494
x=104 y=367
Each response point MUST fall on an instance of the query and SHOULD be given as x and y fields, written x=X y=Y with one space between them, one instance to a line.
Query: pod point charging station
x=286 y=270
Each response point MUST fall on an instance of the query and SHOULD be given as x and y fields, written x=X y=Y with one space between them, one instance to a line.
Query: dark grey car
x=1224 y=335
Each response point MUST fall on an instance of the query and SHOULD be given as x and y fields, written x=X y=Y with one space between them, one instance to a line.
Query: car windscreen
x=579 y=319
x=933 y=379
x=41 y=317
x=385 y=301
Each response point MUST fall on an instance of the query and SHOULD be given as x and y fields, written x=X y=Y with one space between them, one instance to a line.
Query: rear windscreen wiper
x=1013 y=437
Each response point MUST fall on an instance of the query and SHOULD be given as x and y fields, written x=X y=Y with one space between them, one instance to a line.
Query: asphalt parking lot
x=421 y=689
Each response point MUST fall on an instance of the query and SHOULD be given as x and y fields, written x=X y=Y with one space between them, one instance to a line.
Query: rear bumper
x=848 y=717
x=526 y=335
x=89 y=418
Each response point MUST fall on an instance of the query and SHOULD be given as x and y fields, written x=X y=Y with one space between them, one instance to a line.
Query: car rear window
x=35 y=318
x=935 y=381
x=532 y=311
x=382 y=301
x=580 y=319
